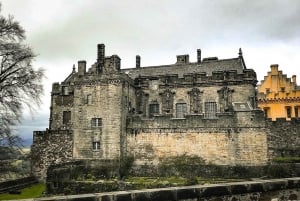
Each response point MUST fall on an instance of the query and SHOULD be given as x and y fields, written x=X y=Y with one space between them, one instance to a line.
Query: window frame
x=210 y=110
x=96 y=123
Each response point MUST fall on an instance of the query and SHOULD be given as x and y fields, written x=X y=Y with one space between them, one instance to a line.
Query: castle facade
x=207 y=108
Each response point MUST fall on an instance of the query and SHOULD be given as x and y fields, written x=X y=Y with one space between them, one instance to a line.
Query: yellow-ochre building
x=278 y=95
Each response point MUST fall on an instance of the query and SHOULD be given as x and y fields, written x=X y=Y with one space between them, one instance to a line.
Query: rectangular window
x=96 y=145
x=96 y=122
x=297 y=112
x=210 y=110
x=66 y=117
x=288 y=112
x=267 y=112
x=89 y=99
x=180 y=110
x=153 y=109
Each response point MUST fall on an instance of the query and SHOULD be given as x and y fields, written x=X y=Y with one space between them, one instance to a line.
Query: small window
x=267 y=90
x=210 y=110
x=180 y=110
x=282 y=89
x=96 y=122
x=65 y=90
x=153 y=109
x=66 y=117
x=96 y=145
x=288 y=112
x=89 y=99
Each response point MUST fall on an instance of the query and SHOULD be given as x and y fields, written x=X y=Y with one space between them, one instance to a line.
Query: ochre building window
x=288 y=112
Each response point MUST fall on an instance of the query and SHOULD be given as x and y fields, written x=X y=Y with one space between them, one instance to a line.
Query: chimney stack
x=137 y=61
x=294 y=78
x=198 y=56
x=274 y=69
x=81 y=67
x=101 y=53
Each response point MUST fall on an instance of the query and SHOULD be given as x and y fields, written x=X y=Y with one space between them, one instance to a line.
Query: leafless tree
x=20 y=83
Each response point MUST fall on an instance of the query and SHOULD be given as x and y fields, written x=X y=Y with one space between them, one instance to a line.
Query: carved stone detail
x=141 y=101
x=167 y=101
x=195 y=101
x=225 y=99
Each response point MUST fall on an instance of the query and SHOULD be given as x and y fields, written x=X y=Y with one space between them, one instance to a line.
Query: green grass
x=33 y=191
x=287 y=159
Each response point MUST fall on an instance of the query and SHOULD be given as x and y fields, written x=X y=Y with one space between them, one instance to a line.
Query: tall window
x=89 y=99
x=210 y=110
x=267 y=112
x=180 y=110
x=96 y=145
x=96 y=122
x=288 y=112
x=297 y=114
x=153 y=109
x=66 y=117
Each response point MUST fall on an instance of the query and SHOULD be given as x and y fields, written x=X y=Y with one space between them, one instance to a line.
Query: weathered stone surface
x=205 y=108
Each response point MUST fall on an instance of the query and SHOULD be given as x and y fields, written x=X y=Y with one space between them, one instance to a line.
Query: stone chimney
x=198 y=56
x=101 y=53
x=274 y=69
x=137 y=61
x=294 y=79
x=81 y=67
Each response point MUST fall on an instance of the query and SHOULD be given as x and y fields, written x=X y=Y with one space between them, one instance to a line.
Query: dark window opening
x=267 y=112
x=153 y=109
x=210 y=110
x=96 y=145
x=288 y=112
x=297 y=112
x=180 y=110
x=66 y=117
x=96 y=122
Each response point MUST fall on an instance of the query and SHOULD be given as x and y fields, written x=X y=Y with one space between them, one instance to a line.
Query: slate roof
x=207 y=67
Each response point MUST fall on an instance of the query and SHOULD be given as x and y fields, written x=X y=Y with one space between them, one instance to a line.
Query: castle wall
x=217 y=141
x=284 y=137
x=50 y=147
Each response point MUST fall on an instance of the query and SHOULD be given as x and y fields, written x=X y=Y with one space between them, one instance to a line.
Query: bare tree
x=20 y=84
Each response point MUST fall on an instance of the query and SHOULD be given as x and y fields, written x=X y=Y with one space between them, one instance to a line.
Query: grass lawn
x=33 y=191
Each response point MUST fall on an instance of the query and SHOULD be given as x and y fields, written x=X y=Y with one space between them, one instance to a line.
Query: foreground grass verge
x=33 y=191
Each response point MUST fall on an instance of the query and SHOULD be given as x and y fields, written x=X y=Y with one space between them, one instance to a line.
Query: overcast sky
x=61 y=32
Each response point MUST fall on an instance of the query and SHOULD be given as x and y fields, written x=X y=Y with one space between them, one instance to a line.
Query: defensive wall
x=52 y=147
x=260 y=190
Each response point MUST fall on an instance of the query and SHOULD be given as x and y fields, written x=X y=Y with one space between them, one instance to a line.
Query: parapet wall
x=284 y=137
x=224 y=141
x=50 y=147
x=268 y=190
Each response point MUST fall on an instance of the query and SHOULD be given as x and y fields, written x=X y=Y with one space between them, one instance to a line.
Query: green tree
x=20 y=84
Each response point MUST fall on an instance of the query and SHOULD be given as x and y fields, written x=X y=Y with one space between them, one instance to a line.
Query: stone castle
x=206 y=108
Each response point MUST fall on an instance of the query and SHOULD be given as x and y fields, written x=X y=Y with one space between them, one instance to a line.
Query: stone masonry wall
x=284 y=137
x=215 y=146
x=230 y=139
x=50 y=147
